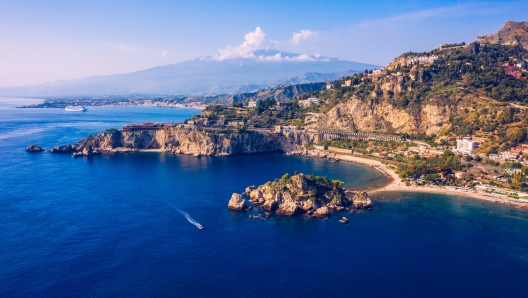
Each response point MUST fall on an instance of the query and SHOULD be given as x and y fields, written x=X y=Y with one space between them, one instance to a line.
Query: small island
x=300 y=194
x=34 y=148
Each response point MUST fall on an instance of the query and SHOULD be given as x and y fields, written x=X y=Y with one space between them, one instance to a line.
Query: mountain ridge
x=201 y=76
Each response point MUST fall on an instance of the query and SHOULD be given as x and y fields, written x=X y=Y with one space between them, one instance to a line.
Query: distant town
x=131 y=100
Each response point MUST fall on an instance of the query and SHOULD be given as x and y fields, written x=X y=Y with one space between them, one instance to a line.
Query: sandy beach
x=398 y=185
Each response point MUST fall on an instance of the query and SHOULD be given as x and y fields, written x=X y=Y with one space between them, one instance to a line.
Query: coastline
x=396 y=185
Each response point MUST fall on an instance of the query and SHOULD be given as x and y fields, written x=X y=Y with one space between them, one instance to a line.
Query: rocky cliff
x=389 y=108
x=184 y=140
x=302 y=194
x=511 y=34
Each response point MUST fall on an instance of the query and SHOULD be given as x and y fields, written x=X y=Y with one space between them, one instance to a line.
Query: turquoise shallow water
x=109 y=226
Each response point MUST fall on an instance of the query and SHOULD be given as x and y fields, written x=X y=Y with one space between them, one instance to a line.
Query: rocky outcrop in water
x=361 y=200
x=86 y=151
x=62 y=149
x=237 y=202
x=322 y=212
x=303 y=195
x=34 y=148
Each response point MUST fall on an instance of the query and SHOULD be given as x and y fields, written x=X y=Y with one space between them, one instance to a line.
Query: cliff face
x=401 y=61
x=182 y=140
x=380 y=111
x=511 y=34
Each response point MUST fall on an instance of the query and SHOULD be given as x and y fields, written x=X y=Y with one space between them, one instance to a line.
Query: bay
x=107 y=226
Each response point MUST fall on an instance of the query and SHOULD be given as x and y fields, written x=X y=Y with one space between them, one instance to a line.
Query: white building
x=511 y=155
x=289 y=128
x=252 y=103
x=308 y=102
x=424 y=59
x=466 y=145
x=347 y=83
x=328 y=86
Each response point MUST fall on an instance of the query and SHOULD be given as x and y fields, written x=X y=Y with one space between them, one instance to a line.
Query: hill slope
x=454 y=90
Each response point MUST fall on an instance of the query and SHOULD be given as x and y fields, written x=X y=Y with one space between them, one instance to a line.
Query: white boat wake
x=189 y=218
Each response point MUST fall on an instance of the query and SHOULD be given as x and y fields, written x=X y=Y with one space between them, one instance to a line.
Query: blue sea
x=117 y=225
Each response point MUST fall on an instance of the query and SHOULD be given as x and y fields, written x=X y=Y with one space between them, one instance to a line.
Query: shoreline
x=396 y=185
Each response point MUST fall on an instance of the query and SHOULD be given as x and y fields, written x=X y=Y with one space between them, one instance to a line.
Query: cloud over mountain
x=302 y=35
x=255 y=41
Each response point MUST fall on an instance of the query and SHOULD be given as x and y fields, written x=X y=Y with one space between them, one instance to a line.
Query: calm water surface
x=108 y=226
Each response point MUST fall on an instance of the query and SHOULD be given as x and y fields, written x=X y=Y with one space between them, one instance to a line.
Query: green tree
x=518 y=135
x=337 y=183
x=285 y=177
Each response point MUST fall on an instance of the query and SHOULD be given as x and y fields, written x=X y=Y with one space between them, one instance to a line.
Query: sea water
x=118 y=225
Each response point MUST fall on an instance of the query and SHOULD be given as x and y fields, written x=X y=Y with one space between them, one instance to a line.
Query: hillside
x=453 y=90
x=278 y=93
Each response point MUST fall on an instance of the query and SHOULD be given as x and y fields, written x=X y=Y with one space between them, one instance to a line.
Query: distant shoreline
x=111 y=105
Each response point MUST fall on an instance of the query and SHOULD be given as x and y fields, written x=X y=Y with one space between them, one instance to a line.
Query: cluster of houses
x=424 y=59
x=146 y=126
x=309 y=102
x=167 y=103
x=376 y=74
x=283 y=105
x=221 y=122
x=466 y=146
x=515 y=70
x=515 y=154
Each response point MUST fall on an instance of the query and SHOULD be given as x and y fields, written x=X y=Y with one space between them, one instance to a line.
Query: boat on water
x=200 y=226
x=75 y=109
x=343 y=220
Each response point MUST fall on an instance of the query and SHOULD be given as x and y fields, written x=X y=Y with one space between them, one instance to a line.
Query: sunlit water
x=111 y=226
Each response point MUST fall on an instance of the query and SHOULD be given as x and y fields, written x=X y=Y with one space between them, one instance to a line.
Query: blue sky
x=61 y=40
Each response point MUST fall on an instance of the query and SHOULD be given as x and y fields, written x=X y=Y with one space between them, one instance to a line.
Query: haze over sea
x=109 y=226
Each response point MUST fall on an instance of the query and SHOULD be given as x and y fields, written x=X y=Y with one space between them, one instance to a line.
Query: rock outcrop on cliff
x=34 y=148
x=302 y=194
x=184 y=140
x=511 y=34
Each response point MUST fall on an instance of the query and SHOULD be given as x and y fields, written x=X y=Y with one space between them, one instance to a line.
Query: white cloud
x=253 y=41
x=118 y=47
x=164 y=54
x=302 y=35
x=303 y=57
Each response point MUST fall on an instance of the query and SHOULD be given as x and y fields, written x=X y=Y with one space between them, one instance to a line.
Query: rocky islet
x=306 y=195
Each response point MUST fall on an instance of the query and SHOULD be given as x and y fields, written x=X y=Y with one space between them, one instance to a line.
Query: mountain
x=279 y=93
x=511 y=34
x=203 y=76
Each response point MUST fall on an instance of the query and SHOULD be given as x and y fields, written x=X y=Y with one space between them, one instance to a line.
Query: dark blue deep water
x=109 y=226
